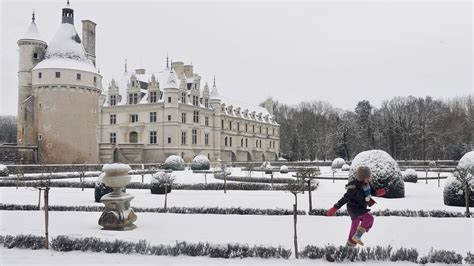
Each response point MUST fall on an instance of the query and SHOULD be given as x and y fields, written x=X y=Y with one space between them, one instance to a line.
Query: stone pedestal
x=117 y=214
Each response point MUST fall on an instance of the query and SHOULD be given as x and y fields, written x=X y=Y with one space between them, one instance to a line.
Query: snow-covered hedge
x=161 y=183
x=345 y=167
x=200 y=162
x=100 y=188
x=385 y=171
x=453 y=193
x=174 y=162
x=266 y=165
x=4 y=170
x=284 y=169
x=337 y=163
x=410 y=175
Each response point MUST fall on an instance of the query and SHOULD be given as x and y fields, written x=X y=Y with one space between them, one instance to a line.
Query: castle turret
x=31 y=51
x=88 y=37
x=171 y=111
x=67 y=87
x=215 y=102
x=269 y=105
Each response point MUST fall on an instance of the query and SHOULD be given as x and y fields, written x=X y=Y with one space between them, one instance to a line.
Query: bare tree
x=295 y=187
x=308 y=175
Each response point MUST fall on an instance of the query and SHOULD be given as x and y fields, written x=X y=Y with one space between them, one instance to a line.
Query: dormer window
x=113 y=100
x=40 y=75
x=132 y=98
x=153 y=97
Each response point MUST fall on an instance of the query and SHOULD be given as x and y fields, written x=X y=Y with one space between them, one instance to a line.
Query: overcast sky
x=340 y=52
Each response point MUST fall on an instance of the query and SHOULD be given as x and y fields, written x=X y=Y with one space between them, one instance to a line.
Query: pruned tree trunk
x=295 y=219
x=166 y=198
x=310 y=197
x=466 y=198
x=46 y=217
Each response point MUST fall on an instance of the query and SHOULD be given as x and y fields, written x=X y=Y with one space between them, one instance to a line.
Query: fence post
x=438 y=179
x=426 y=178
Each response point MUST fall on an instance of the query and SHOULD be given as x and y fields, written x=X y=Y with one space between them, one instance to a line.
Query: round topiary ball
x=410 y=175
x=175 y=163
x=345 y=167
x=338 y=163
x=385 y=171
x=284 y=169
x=453 y=193
x=4 y=170
x=200 y=162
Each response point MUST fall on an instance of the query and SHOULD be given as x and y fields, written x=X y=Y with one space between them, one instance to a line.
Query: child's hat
x=362 y=173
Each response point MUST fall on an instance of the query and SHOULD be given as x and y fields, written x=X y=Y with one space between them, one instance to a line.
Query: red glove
x=331 y=211
x=371 y=202
x=380 y=192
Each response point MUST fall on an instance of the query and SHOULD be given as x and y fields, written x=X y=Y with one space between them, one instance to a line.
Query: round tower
x=171 y=111
x=67 y=89
x=31 y=50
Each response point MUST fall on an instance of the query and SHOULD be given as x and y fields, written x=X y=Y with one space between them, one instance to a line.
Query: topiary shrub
x=161 y=183
x=284 y=169
x=338 y=163
x=345 y=167
x=432 y=164
x=410 y=175
x=385 y=171
x=100 y=188
x=4 y=170
x=453 y=193
x=175 y=163
x=200 y=162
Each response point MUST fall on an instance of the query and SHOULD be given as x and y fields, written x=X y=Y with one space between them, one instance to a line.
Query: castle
x=140 y=118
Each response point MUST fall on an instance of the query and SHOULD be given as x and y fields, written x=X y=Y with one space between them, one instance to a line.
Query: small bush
x=161 y=183
x=345 y=167
x=284 y=169
x=175 y=163
x=4 y=170
x=410 y=175
x=337 y=163
x=200 y=162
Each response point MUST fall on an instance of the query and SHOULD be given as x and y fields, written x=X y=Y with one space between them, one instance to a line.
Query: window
x=225 y=141
x=222 y=124
x=58 y=74
x=260 y=143
x=245 y=127
x=241 y=142
x=206 y=121
x=230 y=141
x=183 y=118
x=238 y=126
x=196 y=116
x=169 y=140
x=113 y=100
x=40 y=137
x=132 y=98
x=153 y=97
x=78 y=76
x=183 y=137
x=152 y=117
x=230 y=125
x=35 y=55
x=40 y=75
x=253 y=128
x=246 y=142
x=169 y=99
x=133 y=137
x=134 y=118
x=152 y=137
x=206 y=103
x=95 y=80
x=169 y=117
x=183 y=97
x=113 y=138
x=260 y=129
x=273 y=131
x=113 y=119
x=267 y=130
x=194 y=136
x=256 y=143
x=206 y=139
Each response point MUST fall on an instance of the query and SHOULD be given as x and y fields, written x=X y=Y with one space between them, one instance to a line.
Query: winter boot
x=351 y=243
x=358 y=235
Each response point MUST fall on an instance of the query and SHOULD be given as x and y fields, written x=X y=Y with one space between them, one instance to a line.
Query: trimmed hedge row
x=237 y=211
x=139 y=185
x=402 y=213
x=276 y=180
x=177 y=210
x=330 y=252
x=77 y=174
x=65 y=243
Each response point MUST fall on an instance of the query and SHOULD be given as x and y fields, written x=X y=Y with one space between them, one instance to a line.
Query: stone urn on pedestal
x=117 y=214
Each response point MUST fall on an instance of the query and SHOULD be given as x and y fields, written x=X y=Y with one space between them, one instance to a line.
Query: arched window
x=225 y=141
x=133 y=137
x=241 y=142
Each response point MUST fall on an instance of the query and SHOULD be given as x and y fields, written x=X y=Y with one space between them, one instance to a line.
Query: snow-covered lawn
x=421 y=233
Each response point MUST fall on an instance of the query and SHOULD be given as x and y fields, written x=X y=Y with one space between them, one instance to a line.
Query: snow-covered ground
x=422 y=233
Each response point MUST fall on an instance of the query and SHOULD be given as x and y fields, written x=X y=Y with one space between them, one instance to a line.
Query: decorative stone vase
x=117 y=214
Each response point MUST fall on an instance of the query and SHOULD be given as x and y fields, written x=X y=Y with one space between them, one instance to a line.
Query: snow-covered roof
x=66 y=51
x=32 y=33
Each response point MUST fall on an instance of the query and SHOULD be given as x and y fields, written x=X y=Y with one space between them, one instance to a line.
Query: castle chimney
x=88 y=38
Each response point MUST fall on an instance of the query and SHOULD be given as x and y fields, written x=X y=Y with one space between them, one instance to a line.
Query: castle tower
x=31 y=52
x=66 y=88
x=215 y=102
